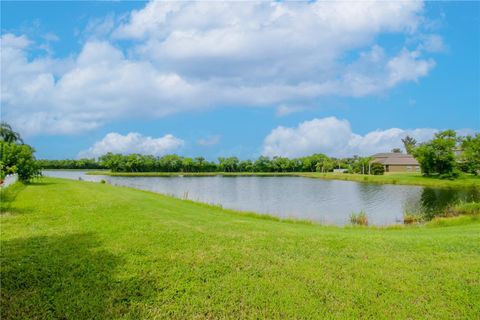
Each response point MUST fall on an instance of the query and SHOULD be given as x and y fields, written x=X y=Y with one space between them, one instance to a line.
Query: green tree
x=470 y=154
x=397 y=150
x=437 y=156
x=188 y=165
x=309 y=163
x=134 y=163
x=114 y=162
x=229 y=164
x=262 y=164
x=171 y=163
x=20 y=159
x=409 y=143
x=362 y=165
x=149 y=163
x=377 y=168
x=281 y=164
x=245 y=166
x=325 y=165
x=8 y=135
x=199 y=163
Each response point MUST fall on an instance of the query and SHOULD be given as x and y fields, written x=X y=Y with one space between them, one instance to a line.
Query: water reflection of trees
x=413 y=202
x=434 y=201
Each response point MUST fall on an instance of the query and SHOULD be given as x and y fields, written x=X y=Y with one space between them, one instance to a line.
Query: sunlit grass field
x=80 y=250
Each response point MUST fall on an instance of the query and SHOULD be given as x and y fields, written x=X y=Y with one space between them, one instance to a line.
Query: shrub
x=455 y=173
x=18 y=158
x=377 y=169
x=411 y=218
x=360 y=218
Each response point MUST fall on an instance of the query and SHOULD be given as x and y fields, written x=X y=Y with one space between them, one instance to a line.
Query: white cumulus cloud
x=133 y=143
x=184 y=56
x=335 y=137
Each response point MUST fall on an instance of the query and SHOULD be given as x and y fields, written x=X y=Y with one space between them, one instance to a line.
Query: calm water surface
x=324 y=201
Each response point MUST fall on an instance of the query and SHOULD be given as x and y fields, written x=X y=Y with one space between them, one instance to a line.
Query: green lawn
x=404 y=178
x=80 y=250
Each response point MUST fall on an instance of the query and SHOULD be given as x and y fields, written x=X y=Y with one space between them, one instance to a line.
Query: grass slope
x=466 y=180
x=80 y=250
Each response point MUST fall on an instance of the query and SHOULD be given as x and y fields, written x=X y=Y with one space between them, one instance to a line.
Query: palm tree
x=409 y=144
x=8 y=135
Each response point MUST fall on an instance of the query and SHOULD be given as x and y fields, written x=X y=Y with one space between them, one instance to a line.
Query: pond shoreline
x=438 y=221
x=143 y=247
x=467 y=181
x=287 y=196
x=441 y=220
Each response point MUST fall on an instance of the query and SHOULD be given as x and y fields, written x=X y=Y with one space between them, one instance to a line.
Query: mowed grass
x=80 y=250
x=403 y=178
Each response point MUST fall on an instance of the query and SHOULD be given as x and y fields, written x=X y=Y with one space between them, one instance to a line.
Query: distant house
x=397 y=162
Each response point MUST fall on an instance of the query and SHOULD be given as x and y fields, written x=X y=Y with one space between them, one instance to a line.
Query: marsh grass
x=462 y=208
x=463 y=220
x=360 y=218
x=409 y=218
x=457 y=209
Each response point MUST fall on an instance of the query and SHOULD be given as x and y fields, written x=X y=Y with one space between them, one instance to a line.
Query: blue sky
x=245 y=79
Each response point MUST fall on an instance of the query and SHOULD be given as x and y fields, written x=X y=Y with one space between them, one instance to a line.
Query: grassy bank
x=465 y=181
x=80 y=250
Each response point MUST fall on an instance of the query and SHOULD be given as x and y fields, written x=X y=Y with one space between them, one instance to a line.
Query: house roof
x=395 y=159
x=391 y=155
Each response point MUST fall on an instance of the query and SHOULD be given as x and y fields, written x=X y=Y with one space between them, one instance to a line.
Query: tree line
x=70 y=164
x=176 y=163
x=446 y=155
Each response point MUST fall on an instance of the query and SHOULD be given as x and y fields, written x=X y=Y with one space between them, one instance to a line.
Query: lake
x=323 y=201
